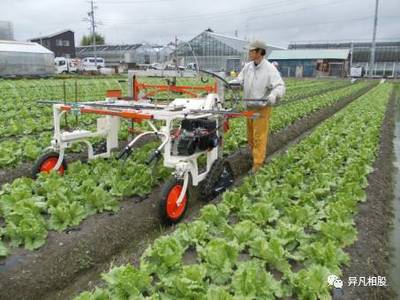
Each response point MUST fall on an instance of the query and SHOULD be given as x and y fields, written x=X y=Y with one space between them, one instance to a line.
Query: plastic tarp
x=25 y=59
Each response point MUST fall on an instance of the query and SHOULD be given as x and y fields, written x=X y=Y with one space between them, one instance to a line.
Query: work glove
x=271 y=100
x=233 y=84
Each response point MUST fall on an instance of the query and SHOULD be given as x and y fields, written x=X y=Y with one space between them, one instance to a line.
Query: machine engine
x=195 y=135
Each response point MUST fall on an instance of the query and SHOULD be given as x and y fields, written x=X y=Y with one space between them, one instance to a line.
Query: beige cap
x=256 y=45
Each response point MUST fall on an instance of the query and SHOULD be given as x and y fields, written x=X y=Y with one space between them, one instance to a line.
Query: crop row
x=29 y=91
x=19 y=101
x=303 y=91
x=286 y=114
x=280 y=234
x=32 y=207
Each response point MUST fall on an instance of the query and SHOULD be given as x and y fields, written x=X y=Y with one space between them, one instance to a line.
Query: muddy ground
x=370 y=253
x=70 y=261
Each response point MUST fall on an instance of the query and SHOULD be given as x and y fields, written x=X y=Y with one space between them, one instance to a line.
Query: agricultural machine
x=187 y=127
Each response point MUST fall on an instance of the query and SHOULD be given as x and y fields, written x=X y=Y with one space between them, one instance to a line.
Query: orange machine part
x=135 y=116
x=158 y=88
x=114 y=93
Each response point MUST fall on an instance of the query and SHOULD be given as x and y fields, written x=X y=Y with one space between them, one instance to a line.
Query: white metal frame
x=108 y=126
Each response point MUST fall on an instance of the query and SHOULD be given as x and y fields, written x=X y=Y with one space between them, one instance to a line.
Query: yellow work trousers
x=257 y=134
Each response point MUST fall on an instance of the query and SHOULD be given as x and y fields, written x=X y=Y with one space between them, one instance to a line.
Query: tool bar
x=139 y=106
x=84 y=107
x=129 y=106
x=105 y=105
x=228 y=113
x=136 y=116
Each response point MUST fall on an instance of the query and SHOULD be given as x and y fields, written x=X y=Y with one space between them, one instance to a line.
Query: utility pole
x=176 y=53
x=93 y=25
x=93 y=31
x=372 y=58
x=351 y=55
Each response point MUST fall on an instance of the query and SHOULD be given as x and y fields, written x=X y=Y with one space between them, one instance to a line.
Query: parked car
x=90 y=64
x=173 y=67
x=155 y=66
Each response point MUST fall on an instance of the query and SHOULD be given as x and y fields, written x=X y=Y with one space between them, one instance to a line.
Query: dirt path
x=69 y=262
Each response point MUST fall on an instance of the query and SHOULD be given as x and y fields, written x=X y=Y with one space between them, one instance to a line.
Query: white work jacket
x=260 y=81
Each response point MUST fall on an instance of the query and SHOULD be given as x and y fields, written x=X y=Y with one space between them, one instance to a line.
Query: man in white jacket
x=261 y=81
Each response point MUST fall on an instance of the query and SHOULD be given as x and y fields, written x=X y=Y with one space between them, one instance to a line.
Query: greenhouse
x=6 y=30
x=25 y=59
x=216 y=52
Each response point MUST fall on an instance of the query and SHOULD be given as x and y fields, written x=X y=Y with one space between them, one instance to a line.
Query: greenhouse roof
x=100 y=48
x=236 y=43
x=26 y=47
x=233 y=42
x=309 y=54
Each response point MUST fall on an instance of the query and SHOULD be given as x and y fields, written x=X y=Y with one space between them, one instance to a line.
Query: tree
x=88 y=40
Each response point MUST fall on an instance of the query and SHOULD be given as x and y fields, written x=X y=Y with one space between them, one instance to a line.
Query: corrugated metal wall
x=288 y=67
x=307 y=68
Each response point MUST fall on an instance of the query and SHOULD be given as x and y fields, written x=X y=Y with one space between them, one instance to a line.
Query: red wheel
x=170 y=211
x=49 y=165
x=46 y=163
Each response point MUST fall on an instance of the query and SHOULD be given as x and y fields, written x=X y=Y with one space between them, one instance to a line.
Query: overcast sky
x=158 y=21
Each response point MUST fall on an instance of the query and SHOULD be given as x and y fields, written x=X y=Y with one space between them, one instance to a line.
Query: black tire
x=217 y=181
x=37 y=167
x=165 y=215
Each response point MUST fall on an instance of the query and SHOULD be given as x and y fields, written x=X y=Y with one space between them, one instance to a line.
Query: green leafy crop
x=282 y=232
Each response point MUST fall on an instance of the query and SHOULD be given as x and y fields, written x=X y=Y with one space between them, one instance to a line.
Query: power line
x=324 y=23
x=220 y=14
x=301 y=9
x=136 y=2
x=224 y=14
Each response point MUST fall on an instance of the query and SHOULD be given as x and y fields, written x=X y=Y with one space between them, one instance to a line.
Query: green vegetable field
x=279 y=234
x=276 y=234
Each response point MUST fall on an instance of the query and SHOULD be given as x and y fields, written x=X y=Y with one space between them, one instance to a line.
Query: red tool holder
x=184 y=89
x=114 y=94
x=135 y=116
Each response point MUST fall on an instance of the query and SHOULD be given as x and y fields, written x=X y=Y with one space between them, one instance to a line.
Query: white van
x=66 y=65
x=89 y=63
